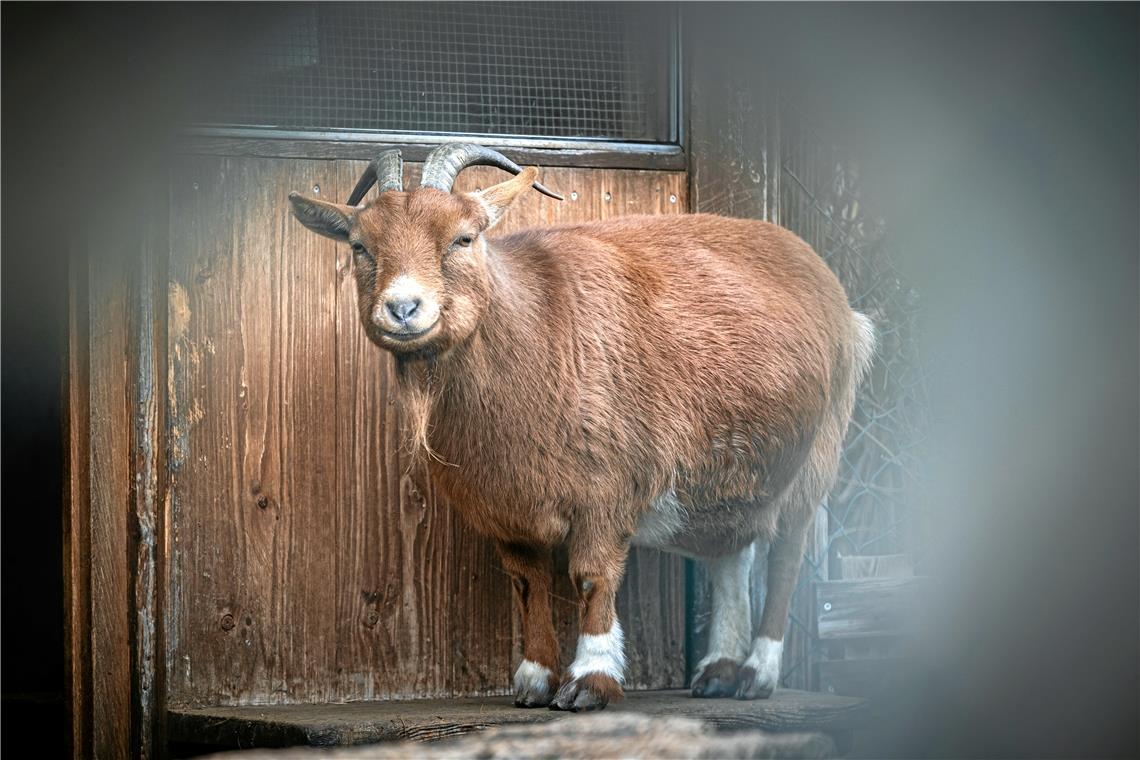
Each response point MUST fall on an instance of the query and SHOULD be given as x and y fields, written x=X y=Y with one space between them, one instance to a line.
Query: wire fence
x=558 y=69
x=871 y=511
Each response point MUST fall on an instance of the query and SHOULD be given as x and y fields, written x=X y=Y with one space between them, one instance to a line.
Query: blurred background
x=997 y=148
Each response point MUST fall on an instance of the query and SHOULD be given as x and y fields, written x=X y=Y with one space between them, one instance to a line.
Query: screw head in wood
x=228 y=622
x=827 y=606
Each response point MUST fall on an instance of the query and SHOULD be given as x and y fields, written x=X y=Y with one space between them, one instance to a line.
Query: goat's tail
x=864 y=341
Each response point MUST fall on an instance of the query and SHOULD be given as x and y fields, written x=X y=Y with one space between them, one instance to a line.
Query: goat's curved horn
x=387 y=169
x=445 y=162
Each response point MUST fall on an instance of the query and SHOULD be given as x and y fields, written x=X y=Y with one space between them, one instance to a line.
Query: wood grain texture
x=114 y=477
x=148 y=465
x=77 y=520
x=110 y=504
x=867 y=608
x=252 y=406
x=605 y=735
x=648 y=156
x=855 y=566
x=426 y=720
x=309 y=562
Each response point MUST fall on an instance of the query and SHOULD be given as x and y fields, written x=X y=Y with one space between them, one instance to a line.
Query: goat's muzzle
x=405 y=310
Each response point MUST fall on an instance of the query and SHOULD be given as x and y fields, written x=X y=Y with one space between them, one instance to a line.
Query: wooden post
x=113 y=533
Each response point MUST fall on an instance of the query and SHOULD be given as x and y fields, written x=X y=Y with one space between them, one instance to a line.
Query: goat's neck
x=503 y=357
x=507 y=348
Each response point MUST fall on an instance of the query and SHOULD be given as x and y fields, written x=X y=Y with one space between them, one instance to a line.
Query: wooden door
x=305 y=562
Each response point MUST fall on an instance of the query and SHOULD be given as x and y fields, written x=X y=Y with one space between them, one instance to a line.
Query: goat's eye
x=358 y=249
x=464 y=240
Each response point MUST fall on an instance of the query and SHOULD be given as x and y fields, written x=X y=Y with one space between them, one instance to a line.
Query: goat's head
x=420 y=258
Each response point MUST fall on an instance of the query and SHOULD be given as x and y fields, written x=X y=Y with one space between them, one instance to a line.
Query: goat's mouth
x=408 y=336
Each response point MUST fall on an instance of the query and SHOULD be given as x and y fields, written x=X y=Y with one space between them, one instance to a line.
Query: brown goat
x=677 y=382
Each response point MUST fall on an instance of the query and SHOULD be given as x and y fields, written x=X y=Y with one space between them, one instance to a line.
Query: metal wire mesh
x=581 y=70
x=871 y=510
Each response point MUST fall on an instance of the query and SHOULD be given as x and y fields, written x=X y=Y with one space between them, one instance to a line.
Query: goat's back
x=708 y=333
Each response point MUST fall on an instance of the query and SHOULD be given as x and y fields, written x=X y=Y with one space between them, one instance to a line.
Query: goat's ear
x=498 y=198
x=324 y=218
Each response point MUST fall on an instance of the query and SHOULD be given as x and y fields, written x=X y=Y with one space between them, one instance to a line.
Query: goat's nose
x=402 y=310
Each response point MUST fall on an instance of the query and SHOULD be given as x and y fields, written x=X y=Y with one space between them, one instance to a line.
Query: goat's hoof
x=535 y=695
x=717 y=679
x=534 y=685
x=532 y=700
x=590 y=692
x=755 y=684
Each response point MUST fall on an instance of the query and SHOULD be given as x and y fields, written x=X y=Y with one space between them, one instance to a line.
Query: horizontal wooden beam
x=857 y=566
x=265 y=143
x=866 y=608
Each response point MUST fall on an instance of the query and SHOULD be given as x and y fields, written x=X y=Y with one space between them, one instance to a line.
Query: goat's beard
x=418 y=391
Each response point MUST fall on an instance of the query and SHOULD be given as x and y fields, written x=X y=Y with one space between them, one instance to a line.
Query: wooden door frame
x=114 y=456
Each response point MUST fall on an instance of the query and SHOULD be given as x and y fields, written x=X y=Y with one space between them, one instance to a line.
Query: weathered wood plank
x=604 y=735
x=651 y=157
x=866 y=608
x=109 y=468
x=147 y=450
x=252 y=411
x=372 y=584
x=367 y=722
x=113 y=523
x=77 y=521
x=854 y=567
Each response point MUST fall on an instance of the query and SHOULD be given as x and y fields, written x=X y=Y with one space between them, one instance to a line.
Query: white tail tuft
x=864 y=344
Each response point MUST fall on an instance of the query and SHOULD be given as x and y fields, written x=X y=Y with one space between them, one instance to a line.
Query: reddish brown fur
x=578 y=373
x=531 y=568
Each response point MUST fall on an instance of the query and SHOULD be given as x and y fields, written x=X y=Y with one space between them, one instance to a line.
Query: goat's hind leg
x=761 y=671
x=730 y=627
x=531 y=569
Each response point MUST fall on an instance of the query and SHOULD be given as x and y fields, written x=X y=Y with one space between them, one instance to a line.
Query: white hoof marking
x=765 y=659
x=601 y=653
x=533 y=679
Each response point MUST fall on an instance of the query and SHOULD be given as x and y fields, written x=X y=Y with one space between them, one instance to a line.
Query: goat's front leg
x=531 y=569
x=597 y=561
